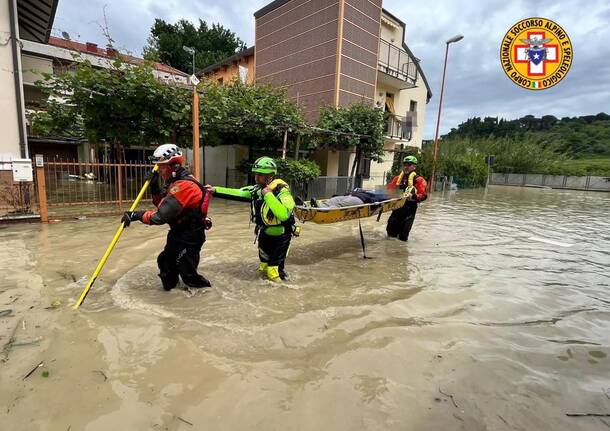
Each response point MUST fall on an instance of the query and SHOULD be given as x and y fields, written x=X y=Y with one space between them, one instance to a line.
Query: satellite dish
x=65 y=35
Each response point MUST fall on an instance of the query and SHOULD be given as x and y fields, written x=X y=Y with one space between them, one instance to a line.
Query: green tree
x=211 y=43
x=359 y=119
x=360 y=126
x=464 y=158
x=255 y=115
x=127 y=105
x=297 y=171
x=57 y=120
x=584 y=136
x=122 y=105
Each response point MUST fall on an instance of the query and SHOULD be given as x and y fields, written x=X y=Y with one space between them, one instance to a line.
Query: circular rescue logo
x=536 y=53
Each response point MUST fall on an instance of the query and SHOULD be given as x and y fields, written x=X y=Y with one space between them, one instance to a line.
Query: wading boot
x=273 y=274
x=169 y=281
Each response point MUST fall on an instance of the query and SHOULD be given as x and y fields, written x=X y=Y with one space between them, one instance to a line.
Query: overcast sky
x=476 y=84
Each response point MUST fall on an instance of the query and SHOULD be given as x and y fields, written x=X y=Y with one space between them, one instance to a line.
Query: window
x=413 y=106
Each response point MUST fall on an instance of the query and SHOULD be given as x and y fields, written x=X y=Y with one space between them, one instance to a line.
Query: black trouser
x=273 y=250
x=180 y=257
x=401 y=221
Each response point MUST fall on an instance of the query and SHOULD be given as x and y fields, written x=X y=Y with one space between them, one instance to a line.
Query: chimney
x=111 y=52
x=92 y=47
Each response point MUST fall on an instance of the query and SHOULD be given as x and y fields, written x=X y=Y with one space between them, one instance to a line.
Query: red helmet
x=168 y=154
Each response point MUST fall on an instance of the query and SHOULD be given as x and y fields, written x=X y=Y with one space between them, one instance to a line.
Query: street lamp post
x=192 y=52
x=454 y=39
x=195 y=81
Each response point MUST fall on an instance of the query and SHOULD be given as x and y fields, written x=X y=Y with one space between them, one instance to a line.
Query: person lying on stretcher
x=354 y=198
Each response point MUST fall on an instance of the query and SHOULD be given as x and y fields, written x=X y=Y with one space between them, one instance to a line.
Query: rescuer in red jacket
x=414 y=186
x=182 y=203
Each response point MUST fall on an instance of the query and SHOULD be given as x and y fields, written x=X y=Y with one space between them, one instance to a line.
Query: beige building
x=238 y=66
x=58 y=56
x=335 y=53
x=18 y=23
x=23 y=20
x=26 y=51
x=402 y=91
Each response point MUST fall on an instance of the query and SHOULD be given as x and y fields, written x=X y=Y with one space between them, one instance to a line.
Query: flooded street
x=495 y=316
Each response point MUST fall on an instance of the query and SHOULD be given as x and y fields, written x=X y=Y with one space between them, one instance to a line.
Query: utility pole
x=440 y=107
x=195 y=81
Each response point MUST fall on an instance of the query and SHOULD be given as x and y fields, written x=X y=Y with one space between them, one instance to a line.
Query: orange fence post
x=42 y=189
x=120 y=185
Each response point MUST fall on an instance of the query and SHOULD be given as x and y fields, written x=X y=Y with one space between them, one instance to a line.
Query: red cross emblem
x=551 y=56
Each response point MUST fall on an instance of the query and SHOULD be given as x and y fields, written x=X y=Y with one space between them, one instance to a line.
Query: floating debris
x=40 y=364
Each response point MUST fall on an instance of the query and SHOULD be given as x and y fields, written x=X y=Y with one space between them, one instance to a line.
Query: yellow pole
x=117 y=235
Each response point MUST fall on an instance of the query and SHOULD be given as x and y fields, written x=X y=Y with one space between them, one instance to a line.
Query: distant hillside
x=576 y=137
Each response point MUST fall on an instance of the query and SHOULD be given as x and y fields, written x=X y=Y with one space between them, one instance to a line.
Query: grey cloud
x=476 y=84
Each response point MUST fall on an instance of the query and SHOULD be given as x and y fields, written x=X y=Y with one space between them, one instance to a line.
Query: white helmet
x=167 y=154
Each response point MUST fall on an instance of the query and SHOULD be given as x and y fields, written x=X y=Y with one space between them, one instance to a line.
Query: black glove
x=153 y=178
x=130 y=216
x=207 y=223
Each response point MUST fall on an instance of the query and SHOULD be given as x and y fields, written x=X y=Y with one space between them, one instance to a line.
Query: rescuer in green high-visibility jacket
x=272 y=205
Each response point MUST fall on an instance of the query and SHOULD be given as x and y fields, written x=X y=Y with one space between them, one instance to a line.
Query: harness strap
x=205 y=196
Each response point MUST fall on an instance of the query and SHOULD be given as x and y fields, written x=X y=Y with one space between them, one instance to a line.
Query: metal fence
x=396 y=62
x=589 y=182
x=397 y=127
x=83 y=189
x=324 y=187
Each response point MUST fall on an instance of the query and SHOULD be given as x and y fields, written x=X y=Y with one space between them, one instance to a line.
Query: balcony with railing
x=400 y=128
x=397 y=68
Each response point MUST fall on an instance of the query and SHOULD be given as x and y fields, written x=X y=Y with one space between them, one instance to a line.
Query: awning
x=35 y=18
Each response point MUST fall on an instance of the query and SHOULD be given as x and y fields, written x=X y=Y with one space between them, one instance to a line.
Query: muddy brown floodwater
x=495 y=316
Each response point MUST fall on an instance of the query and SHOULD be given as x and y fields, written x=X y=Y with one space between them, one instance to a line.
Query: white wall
x=393 y=32
x=9 y=120
x=402 y=101
x=419 y=94
x=219 y=159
